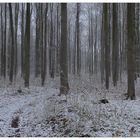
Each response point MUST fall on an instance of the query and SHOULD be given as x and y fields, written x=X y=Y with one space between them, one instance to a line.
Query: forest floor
x=40 y=112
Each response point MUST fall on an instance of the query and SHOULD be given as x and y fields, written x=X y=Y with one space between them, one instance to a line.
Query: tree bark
x=64 y=87
x=131 y=50
x=78 y=39
x=22 y=41
x=15 y=37
x=12 y=45
x=45 y=46
x=115 y=47
x=27 y=47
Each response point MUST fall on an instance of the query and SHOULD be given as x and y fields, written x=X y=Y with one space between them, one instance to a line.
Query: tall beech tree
x=12 y=50
x=131 y=50
x=27 y=47
x=64 y=86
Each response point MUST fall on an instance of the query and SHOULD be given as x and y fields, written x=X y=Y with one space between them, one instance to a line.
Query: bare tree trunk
x=137 y=49
x=41 y=40
x=27 y=47
x=69 y=47
x=51 y=48
x=2 y=41
x=45 y=46
x=106 y=41
x=95 y=48
x=15 y=37
x=58 y=41
x=74 y=52
x=37 y=43
x=131 y=50
x=90 y=42
x=4 y=51
x=78 y=39
x=22 y=40
x=115 y=47
x=102 y=65
x=9 y=51
x=12 y=45
x=64 y=86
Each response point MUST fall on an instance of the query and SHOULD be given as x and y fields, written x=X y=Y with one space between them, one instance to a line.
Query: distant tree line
x=51 y=39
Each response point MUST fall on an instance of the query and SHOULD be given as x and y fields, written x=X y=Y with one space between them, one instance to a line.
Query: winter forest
x=69 y=69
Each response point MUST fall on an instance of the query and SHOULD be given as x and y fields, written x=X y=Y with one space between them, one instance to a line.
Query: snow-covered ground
x=41 y=112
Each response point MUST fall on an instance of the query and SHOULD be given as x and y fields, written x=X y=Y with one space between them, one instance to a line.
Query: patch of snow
x=43 y=113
